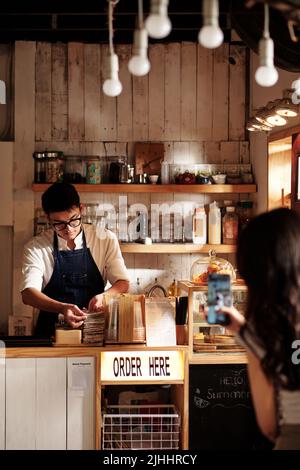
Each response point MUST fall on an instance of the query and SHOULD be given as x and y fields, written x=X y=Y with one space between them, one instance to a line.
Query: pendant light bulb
x=210 y=35
x=266 y=74
x=139 y=64
x=158 y=23
x=112 y=85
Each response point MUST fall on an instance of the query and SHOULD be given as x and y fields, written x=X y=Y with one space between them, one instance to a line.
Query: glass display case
x=203 y=337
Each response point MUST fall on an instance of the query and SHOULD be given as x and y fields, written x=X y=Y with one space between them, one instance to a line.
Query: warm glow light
x=112 y=87
x=266 y=75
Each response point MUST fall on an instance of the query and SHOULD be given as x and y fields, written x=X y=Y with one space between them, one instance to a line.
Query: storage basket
x=141 y=427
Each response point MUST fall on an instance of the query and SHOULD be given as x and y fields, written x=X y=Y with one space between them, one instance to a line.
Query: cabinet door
x=81 y=403
x=51 y=403
x=2 y=399
x=20 y=404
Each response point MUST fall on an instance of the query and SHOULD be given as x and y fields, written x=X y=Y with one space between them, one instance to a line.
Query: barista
x=66 y=268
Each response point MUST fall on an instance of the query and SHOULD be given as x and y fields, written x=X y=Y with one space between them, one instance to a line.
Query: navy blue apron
x=75 y=280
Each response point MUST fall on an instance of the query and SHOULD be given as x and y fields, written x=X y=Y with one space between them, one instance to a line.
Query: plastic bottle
x=230 y=226
x=214 y=224
x=165 y=174
x=199 y=226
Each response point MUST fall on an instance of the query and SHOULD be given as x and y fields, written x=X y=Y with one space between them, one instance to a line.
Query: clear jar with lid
x=39 y=167
x=93 y=169
x=75 y=169
x=54 y=166
x=230 y=226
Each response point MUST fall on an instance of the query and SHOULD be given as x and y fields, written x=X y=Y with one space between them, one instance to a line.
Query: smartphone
x=219 y=295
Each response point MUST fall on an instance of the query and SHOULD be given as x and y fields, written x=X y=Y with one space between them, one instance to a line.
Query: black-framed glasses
x=63 y=225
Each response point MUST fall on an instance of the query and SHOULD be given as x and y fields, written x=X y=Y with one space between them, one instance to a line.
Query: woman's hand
x=236 y=319
x=96 y=304
x=73 y=315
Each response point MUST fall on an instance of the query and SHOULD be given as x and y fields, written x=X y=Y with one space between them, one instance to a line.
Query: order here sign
x=136 y=366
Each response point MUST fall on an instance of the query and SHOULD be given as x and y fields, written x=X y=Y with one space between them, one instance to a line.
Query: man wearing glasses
x=65 y=270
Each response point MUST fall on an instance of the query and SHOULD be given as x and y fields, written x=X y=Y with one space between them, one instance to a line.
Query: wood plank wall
x=193 y=101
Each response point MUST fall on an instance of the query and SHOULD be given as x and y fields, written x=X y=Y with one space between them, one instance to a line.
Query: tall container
x=165 y=173
x=214 y=224
x=199 y=226
x=230 y=226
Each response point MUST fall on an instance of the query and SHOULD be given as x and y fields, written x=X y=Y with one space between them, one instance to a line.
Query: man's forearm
x=37 y=299
x=119 y=287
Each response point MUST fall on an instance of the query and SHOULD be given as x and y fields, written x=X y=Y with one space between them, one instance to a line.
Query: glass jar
x=245 y=213
x=93 y=170
x=75 y=169
x=39 y=167
x=230 y=225
x=54 y=166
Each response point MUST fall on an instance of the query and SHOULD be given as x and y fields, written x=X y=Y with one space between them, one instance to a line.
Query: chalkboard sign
x=221 y=414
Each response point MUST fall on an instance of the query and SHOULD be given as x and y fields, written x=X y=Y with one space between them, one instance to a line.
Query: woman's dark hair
x=268 y=258
x=60 y=197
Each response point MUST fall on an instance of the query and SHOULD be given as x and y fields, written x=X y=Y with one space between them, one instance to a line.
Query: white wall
x=259 y=96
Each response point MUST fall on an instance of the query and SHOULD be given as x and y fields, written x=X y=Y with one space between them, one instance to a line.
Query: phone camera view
x=219 y=295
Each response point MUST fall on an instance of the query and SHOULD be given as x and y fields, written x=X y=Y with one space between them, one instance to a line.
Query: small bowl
x=219 y=179
x=153 y=179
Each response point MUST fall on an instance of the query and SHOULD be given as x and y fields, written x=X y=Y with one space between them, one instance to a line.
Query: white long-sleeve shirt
x=38 y=261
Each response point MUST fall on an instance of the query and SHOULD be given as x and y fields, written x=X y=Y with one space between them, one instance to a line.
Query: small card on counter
x=160 y=322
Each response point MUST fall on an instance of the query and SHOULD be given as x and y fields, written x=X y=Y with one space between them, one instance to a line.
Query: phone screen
x=219 y=295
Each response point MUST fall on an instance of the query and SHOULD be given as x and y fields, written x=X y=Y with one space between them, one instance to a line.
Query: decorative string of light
x=112 y=85
x=266 y=74
x=139 y=64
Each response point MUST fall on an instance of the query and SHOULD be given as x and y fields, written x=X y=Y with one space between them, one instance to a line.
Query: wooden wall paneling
x=20 y=404
x=81 y=403
x=204 y=93
x=76 y=90
x=220 y=93
x=51 y=411
x=157 y=92
x=92 y=90
x=172 y=91
x=108 y=106
x=181 y=153
x=2 y=397
x=69 y=147
x=140 y=103
x=197 y=152
x=230 y=152
x=188 y=81
x=169 y=152
x=124 y=100
x=212 y=152
x=59 y=92
x=244 y=152
x=24 y=89
x=237 y=93
x=43 y=91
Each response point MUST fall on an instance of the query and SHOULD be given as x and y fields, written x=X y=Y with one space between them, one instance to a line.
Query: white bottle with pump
x=199 y=226
x=214 y=224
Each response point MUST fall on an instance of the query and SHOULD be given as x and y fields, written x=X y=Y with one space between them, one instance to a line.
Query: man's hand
x=96 y=304
x=73 y=315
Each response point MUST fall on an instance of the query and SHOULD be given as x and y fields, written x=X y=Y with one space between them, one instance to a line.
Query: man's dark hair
x=60 y=197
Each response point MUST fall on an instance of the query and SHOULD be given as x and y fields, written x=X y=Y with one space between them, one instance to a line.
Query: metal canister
x=93 y=170
x=39 y=167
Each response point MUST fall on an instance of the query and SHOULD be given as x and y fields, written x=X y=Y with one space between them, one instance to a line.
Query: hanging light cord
x=266 y=22
x=141 y=14
x=111 y=5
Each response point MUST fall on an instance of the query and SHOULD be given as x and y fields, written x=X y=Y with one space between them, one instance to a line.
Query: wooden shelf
x=175 y=248
x=159 y=188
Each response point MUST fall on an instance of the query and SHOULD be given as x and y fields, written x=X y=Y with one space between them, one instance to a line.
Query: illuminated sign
x=138 y=366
